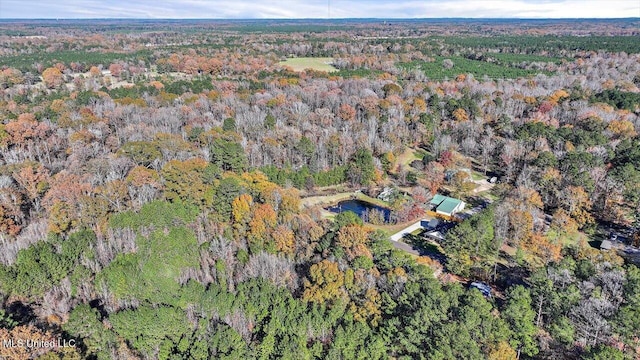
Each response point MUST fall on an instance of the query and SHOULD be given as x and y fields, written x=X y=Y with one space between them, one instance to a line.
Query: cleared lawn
x=326 y=199
x=302 y=63
x=406 y=158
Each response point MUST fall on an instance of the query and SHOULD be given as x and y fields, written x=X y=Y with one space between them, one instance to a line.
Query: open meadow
x=303 y=63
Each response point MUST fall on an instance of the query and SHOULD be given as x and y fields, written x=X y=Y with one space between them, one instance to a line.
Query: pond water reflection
x=366 y=211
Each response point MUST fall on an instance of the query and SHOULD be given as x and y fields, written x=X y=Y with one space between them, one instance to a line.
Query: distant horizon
x=636 y=18
x=320 y=9
x=321 y=19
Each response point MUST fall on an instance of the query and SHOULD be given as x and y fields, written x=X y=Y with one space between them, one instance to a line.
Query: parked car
x=484 y=288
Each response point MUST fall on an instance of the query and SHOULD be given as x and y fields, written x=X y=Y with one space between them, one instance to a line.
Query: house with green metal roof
x=437 y=200
x=445 y=205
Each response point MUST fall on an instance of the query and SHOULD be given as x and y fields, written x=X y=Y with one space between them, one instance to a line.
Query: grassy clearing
x=302 y=63
x=362 y=197
x=324 y=200
x=477 y=176
x=406 y=158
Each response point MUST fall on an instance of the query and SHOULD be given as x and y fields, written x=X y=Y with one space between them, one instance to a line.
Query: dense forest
x=164 y=194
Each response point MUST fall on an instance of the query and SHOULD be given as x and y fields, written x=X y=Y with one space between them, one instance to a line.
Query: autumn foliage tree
x=575 y=200
x=263 y=221
x=34 y=181
x=241 y=208
x=26 y=130
x=353 y=239
x=64 y=200
x=143 y=185
x=188 y=181
x=9 y=223
x=52 y=77
x=347 y=112
x=284 y=239
x=541 y=246
x=434 y=176
x=325 y=283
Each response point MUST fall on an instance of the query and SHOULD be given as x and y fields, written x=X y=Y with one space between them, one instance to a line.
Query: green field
x=517 y=58
x=302 y=63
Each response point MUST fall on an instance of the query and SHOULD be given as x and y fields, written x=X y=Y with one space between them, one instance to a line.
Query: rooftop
x=449 y=205
x=437 y=199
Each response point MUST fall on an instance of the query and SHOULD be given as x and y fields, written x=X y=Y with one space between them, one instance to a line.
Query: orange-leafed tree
x=143 y=185
x=186 y=181
x=115 y=69
x=262 y=222
x=34 y=181
x=325 y=283
x=562 y=222
x=94 y=71
x=460 y=114
x=347 y=112
x=66 y=187
x=284 y=239
x=26 y=129
x=212 y=66
x=9 y=77
x=241 y=208
x=141 y=175
x=539 y=245
x=353 y=239
x=52 y=77
x=577 y=203
x=8 y=221
x=623 y=129
x=520 y=226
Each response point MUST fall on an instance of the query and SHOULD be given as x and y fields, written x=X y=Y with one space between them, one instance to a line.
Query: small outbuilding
x=606 y=245
x=387 y=194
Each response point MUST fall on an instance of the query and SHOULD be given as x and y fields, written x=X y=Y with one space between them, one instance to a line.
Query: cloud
x=235 y=9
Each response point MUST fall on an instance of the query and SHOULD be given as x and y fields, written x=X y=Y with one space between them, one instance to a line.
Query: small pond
x=366 y=211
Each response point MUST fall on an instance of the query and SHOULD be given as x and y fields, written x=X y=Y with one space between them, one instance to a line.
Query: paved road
x=397 y=237
x=409 y=229
x=405 y=247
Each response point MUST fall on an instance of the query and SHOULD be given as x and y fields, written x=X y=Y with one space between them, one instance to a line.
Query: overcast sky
x=244 y=9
